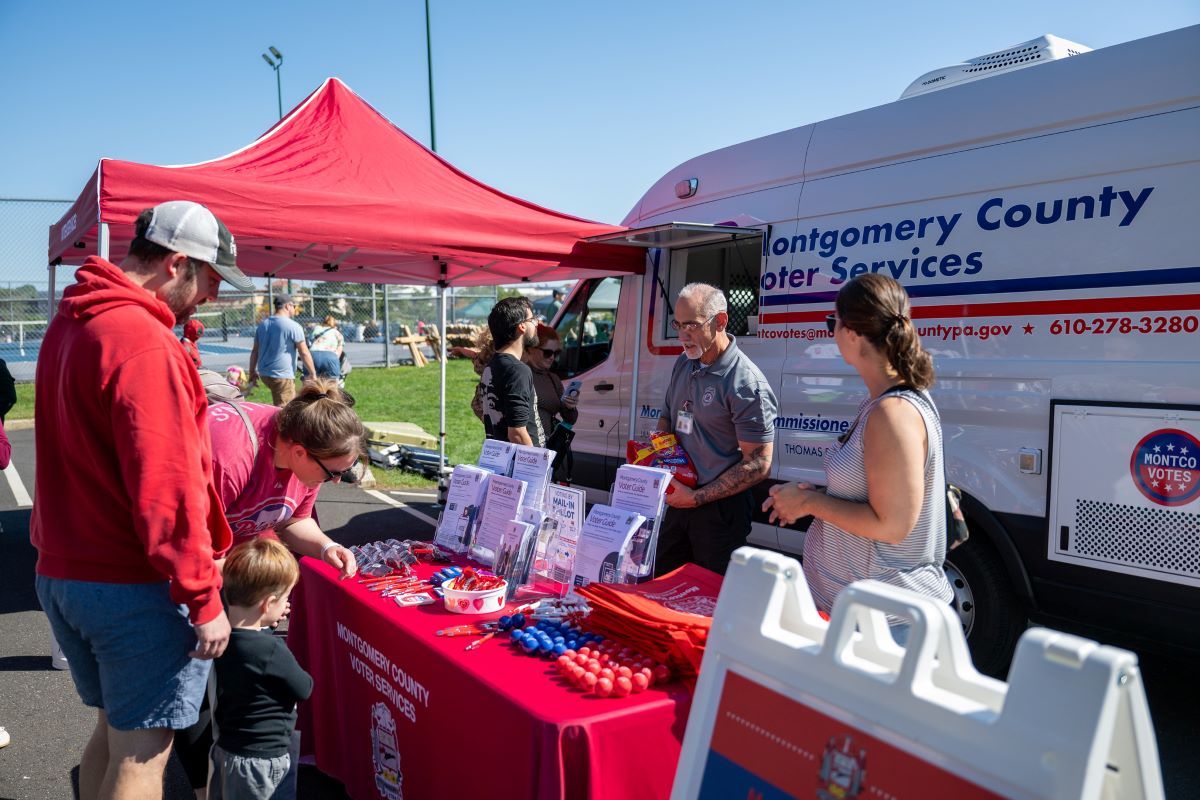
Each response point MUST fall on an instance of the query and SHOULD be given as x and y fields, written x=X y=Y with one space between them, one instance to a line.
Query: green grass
x=395 y=394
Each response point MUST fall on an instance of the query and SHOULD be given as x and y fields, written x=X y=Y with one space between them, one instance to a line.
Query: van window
x=735 y=266
x=587 y=325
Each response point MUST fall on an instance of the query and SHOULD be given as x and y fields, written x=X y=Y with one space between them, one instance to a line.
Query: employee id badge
x=683 y=422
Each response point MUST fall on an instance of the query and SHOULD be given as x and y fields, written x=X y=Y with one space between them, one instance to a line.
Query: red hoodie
x=124 y=464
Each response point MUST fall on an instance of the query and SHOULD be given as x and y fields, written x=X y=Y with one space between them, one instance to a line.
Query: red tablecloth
x=395 y=706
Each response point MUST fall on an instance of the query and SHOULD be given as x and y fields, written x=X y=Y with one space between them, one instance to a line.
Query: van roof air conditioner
x=1027 y=54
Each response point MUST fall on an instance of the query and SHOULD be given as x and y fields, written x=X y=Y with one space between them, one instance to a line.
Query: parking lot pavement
x=49 y=726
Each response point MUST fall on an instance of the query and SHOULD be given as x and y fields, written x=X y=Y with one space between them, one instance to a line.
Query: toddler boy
x=258 y=679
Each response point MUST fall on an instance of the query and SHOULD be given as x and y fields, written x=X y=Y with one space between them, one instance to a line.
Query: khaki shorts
x=283 y=390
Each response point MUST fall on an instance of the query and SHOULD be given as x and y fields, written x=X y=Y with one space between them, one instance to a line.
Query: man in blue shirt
x=273 y=357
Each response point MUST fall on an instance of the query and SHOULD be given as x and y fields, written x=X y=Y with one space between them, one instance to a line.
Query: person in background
x=722 y=410
x=542 y=358
x=259 y=681
x=509 y=401
x=125 y=569
x=327 y=346
x=556 y=301
x=273 y=356
x=193 y=329
x=883 y=515
x=480 y=354
x=8 y=390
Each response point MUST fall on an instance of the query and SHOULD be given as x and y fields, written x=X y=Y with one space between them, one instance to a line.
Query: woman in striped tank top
x=883 y=513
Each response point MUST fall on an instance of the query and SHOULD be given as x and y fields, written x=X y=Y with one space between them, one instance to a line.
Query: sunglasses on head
x=345 y=476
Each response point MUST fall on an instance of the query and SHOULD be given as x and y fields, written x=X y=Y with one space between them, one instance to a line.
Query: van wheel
x=991 y=615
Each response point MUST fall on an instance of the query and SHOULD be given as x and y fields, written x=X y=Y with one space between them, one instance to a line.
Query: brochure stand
x=788 y=705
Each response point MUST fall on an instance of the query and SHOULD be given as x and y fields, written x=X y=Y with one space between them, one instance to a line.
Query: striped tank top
x=834 y=558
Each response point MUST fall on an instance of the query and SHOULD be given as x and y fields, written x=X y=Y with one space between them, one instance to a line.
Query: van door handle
x=604 y=387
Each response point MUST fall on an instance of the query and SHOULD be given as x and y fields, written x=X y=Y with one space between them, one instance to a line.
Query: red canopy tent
x=335 y=191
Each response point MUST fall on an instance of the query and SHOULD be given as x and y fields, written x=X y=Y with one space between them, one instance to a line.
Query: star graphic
x=1028 y=329
x=1169 y=488
x=1156 y=448
x=1154 y=483
x=1170 y=447
x=1183 y=450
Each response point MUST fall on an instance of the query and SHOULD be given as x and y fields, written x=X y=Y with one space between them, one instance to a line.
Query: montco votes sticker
x=1166 y=467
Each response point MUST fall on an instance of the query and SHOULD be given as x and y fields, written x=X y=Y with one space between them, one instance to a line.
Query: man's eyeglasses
x=550 y=353
x=345 y=476
x=691 y=327
x=831 y=322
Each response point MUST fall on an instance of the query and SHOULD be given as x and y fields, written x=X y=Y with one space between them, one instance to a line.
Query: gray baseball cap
x=189 y=228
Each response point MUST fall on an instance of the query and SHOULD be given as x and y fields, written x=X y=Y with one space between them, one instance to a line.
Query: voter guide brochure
x=641 y=489
x=501 y=505
x=464 y=498
x=606 y=530
x=497 y=456
x=565 y=505
x=532 y=465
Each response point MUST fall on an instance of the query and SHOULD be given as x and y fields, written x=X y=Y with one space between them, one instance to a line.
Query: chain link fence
x=370 y=316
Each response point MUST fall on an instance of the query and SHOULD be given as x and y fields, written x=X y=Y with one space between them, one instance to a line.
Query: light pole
x=429 y=74
x=275 y=64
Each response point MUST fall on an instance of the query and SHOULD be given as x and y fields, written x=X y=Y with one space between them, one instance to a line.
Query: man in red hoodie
x=126 y=518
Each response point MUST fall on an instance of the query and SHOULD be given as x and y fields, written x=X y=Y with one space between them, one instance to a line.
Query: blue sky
x=577 y=106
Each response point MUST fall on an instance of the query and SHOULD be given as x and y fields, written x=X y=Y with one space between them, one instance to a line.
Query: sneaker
x=58 y=659
x=4 y=738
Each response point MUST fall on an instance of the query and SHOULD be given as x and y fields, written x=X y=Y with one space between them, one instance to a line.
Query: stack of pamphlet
x=501 y=506
x=640 y=489
x=464 y=499
x=497 y=456
x=607 y=531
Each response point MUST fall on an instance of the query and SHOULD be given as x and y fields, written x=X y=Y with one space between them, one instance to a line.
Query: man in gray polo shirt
x=273 y=356
x=723 y=411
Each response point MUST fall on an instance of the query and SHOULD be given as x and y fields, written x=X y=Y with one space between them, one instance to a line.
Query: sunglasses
x=345 y=476
x=831 y=322
x=549 y=353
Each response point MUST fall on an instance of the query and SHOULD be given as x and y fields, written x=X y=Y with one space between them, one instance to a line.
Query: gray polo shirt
x=730 y=401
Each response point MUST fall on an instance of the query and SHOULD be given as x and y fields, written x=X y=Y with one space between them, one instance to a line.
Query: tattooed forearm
x=754 y=466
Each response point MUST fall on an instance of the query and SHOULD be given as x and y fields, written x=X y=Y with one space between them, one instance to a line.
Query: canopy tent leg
x=387 y=327
x=103 y=238
x=637 y=353
x=442 y=384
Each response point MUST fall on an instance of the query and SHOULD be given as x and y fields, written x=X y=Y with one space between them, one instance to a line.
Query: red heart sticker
x=478 y=603
x=463 y=604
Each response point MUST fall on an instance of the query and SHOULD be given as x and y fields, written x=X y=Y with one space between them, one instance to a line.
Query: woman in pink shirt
x=268 y=484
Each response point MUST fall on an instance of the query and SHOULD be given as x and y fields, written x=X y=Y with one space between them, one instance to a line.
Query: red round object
x=622 y=686
x=570 y=654
x=639 y=681
x=589 y=681
x=624 y=672
x=584 y=651
x=604 y=687
x=649 y=673
x=581 y=659
x=662 y=673
x=563 y=661
x=603 y=658
x=605 y=672
x=593 y=667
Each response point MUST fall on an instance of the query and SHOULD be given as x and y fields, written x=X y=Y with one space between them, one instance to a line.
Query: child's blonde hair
x=258 y=569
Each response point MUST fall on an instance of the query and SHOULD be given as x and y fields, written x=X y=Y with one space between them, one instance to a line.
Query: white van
x=1046 y=222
